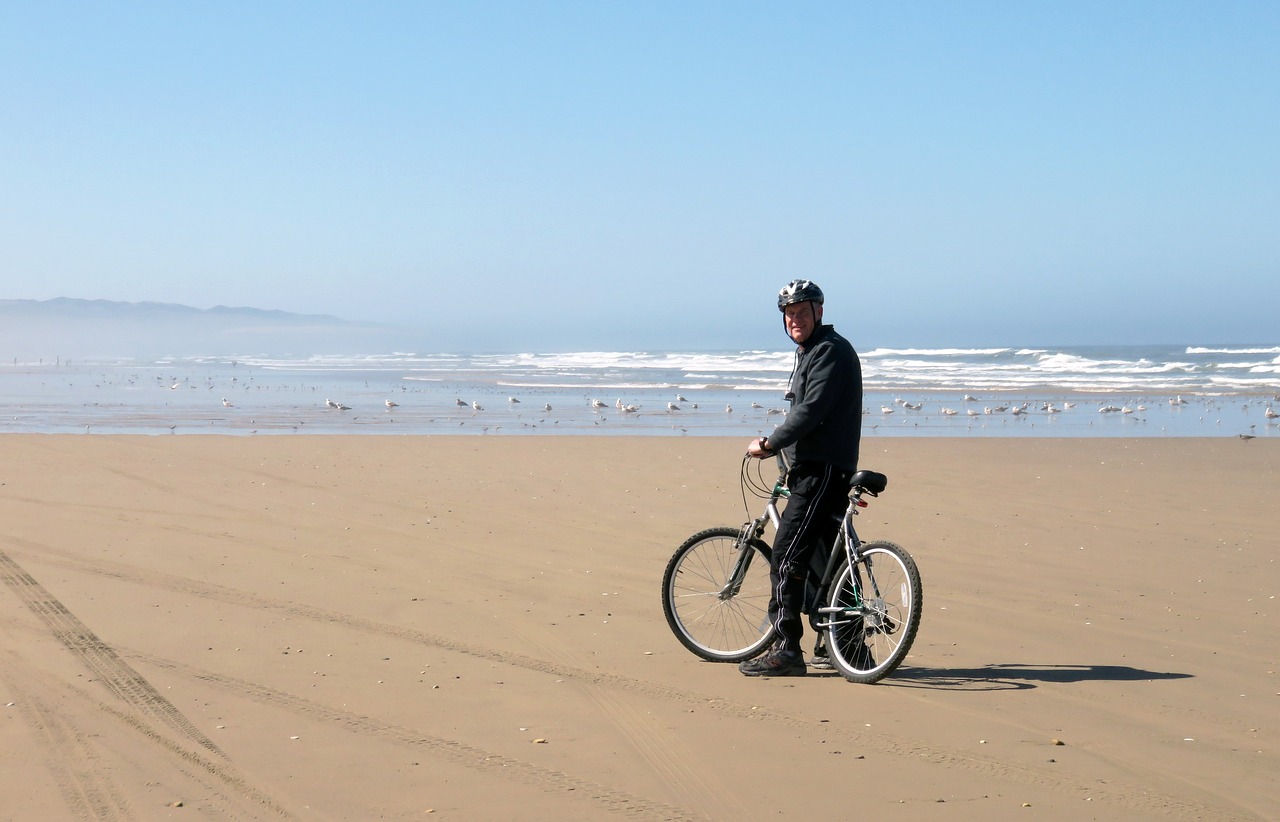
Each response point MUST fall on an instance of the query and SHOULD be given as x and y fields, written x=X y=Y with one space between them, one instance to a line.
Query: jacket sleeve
x=823 y=388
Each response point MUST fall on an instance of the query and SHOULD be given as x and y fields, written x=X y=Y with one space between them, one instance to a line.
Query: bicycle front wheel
x=874 y=613
x=715 y=595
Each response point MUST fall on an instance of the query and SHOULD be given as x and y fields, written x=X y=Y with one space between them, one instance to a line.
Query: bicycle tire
x=711 y=624
x=879 y=607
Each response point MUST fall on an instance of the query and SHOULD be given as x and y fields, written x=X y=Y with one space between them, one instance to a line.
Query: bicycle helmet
x=799 y=291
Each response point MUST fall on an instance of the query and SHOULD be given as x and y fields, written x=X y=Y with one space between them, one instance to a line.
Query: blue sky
x=609 y=175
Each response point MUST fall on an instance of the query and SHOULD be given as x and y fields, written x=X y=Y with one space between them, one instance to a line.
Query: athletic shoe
x=821 y=660
x=821 y=663
x=777 y=661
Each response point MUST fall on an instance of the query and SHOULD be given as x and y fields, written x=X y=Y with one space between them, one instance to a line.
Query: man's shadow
x=1018 y=676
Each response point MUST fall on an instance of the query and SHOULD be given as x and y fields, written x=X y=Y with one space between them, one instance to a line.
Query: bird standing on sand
x=227 y=403
x=460 y=402
x=391 y=404
x=331 y=403
x=476 y=406
x=598 y=404
x=671 y=406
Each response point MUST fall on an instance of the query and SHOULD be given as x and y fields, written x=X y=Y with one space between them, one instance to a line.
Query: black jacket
x=825 y=420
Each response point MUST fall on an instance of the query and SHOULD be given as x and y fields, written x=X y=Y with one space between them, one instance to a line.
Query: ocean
x=1083 y=391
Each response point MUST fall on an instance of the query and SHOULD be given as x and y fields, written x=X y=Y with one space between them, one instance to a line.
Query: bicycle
x=864 y=599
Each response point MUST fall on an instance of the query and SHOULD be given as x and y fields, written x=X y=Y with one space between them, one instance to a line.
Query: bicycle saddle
x=869 y=481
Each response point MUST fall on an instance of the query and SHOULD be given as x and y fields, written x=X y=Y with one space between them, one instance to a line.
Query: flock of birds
x=969 y=406
x=1128 y=410
x=681 y=403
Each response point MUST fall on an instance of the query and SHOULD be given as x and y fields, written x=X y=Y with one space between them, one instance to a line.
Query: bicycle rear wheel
x=715 y=616
x=874 y=613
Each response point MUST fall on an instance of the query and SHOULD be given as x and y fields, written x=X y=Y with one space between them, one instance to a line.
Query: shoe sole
x=796 y=671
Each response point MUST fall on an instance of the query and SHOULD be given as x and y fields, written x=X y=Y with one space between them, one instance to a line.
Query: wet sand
x=350 y=628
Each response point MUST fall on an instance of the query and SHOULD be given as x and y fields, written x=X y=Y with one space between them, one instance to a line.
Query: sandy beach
x=354 y=628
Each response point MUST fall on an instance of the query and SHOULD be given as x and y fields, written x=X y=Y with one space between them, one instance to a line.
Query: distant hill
x=91 y=329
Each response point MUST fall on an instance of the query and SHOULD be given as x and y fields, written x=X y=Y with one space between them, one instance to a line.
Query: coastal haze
x=76 y=365
x=67 y=328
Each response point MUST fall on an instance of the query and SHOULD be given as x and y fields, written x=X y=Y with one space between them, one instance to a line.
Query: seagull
x=1270 y=413
x=774 y=411
x=680 y=398
x=950 y=412
x=227 y=403
x=331 y=403
x=176 y=385
x=460 y=402
x=513 y=400
x=630 y=409
x=391 y=404
x=728 y=409
x=476 y=406
x=755 y=404
x=546 y=407
x=671 y=406
x=598 y=404
x=884 y=409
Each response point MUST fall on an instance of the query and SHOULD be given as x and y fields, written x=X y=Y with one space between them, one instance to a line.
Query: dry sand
x=383 y=627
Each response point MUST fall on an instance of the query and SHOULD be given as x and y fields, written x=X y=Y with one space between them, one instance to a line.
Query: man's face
x=800 y=320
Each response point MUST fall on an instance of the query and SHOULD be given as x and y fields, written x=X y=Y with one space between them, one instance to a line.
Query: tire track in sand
x=77 y=777
x=77 y=768
x=1136 y=795
x=460 y=753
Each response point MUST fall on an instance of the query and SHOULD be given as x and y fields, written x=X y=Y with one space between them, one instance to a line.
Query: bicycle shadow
x=1019 y=676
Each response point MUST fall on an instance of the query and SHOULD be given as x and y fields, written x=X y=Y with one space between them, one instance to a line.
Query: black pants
x=819 y=497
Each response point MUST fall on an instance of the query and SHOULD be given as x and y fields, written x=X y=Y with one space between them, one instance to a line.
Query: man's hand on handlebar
x=759 y=448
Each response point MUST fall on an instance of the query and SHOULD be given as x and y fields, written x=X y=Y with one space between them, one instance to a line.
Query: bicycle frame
x=846 y=539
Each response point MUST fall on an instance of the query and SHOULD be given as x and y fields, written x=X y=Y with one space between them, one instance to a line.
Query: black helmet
x=798 y=291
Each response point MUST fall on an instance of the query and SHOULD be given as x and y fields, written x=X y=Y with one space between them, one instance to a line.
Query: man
x=820 y=437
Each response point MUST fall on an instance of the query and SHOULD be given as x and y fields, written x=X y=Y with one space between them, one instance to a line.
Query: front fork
x=751 y=530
